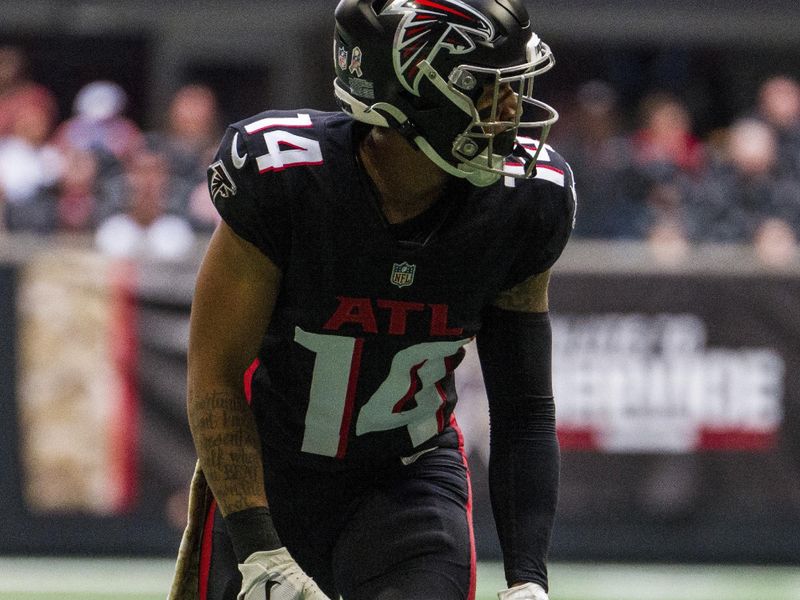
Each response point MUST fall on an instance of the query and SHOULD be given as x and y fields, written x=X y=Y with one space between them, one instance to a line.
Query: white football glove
x=274 y=575
x=528 y=591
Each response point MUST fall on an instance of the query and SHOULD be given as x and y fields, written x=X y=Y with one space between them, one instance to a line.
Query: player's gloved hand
x=274 y=575
x=528 y=591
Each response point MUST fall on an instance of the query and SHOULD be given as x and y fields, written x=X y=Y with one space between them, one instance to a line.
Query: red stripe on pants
x=472 y=560
x=205 y=552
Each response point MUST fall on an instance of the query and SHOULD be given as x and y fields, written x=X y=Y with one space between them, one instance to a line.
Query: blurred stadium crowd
x=648 y=178
x=658 y=182
x=138 y=192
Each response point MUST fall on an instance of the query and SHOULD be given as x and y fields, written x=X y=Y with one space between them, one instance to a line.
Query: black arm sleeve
x=251 y=530
x=515 y=353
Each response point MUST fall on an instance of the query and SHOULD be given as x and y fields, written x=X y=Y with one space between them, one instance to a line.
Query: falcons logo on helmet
x=430 y=26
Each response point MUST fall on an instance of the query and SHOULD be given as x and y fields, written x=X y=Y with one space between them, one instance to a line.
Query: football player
x=359 y=252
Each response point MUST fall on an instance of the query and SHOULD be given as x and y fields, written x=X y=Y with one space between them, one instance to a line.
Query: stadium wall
x=676 y=383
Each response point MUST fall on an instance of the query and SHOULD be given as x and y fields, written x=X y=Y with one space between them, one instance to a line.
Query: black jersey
x=357 y=364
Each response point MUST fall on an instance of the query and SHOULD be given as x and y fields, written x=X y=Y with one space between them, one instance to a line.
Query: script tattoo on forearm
x=228 y=448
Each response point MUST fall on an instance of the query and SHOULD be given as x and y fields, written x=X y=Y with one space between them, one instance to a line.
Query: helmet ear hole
x=468 y=83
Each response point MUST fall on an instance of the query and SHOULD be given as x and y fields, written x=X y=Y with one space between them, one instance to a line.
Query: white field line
x=118 y=577
x=123 y=577
x=659 y=582
x=674 y=582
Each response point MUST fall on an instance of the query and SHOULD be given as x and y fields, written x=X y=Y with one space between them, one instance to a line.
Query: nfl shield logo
x=342 y=58
x=403 y=274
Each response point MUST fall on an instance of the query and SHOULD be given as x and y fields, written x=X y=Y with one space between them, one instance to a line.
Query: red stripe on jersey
x=294 y=164
x=303 y=164
x=549 y=168
x=291 y=146
x=413 y=388
x=472 y=559
x=350 y=399
x=440 y=410
x=205 y=552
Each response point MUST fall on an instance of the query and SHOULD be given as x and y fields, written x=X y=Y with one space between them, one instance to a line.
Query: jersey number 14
x=415 y=373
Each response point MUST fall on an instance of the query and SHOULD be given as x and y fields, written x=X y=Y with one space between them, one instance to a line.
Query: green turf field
x=85 y=579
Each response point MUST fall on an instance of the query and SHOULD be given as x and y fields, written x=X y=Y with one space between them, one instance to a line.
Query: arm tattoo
x=528 y=296
x=229 y=449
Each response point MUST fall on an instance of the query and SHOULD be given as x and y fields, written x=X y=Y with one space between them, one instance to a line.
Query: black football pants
x=402 y=532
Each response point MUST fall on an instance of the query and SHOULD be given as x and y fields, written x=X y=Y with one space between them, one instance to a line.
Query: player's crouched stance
x=360 y=252
x=274 y=575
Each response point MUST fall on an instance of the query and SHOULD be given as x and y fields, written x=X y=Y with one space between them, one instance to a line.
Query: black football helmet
x=421 y=66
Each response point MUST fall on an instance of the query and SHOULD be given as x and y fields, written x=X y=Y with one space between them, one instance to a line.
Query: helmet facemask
x=500 y=141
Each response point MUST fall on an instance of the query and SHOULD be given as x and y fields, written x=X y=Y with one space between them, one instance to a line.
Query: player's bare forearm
x=228 y=448
x=233 y=300
x=528 y=296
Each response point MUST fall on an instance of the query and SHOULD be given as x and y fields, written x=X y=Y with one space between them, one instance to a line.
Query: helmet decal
x=355 y=63
x=341 y=57
x=430 y=26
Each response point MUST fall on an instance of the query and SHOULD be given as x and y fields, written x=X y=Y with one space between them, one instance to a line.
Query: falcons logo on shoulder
x=430 y=26
x=220 y=182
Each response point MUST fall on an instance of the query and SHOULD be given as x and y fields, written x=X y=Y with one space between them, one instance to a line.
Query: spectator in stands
x=77 y=200
x=17 y=92
x=149 y=220
x=30 y=169
x=667 y=158
x=665 y=146
x=191 y=134
x=98 y=125
x=747 y=199
x=600 y=157
x=779 y=106
x=190 y=139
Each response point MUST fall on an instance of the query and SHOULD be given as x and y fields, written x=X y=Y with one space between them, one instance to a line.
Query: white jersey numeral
x=285 y=149
x=414 y=375
x=296 y=151
x=331 y=395
x=302 y=121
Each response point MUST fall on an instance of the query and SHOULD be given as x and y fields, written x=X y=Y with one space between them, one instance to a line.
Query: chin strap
x=476 y=177
x=399 y=121
x=359 y=110
x=383 y=114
